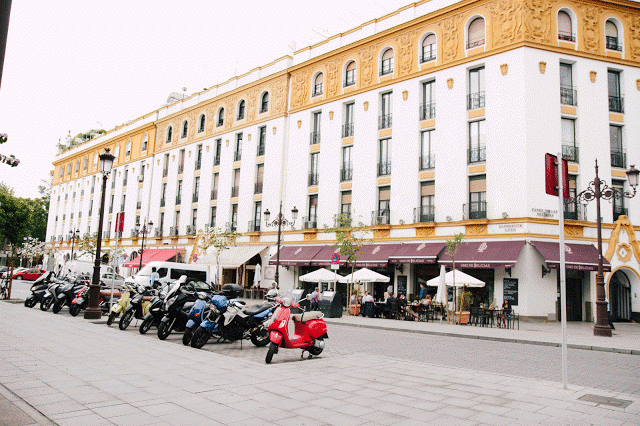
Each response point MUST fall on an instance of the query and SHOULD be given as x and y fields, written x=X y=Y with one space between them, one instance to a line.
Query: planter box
x=354 y=309
x=463 y=317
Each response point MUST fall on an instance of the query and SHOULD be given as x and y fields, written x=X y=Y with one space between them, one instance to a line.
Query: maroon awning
x=323 y=257
x=484 y=255
x=417 y=253
x=376 y=255
x=579 y=257
x=296 y=255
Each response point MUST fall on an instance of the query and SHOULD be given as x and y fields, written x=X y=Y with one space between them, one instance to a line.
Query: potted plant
x=464 y=301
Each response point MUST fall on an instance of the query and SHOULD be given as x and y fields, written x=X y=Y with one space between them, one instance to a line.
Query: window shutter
x=351 y=66
x=476 y=29
x=428 y=188
x=385 y=193
x=478 y=184
x=319 y=78
x=346 y=197
x=428 y=40
x=611 y=30
x=388 y=54
x=564 y=22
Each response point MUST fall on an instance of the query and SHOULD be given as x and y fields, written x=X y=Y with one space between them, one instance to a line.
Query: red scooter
x=310 y=330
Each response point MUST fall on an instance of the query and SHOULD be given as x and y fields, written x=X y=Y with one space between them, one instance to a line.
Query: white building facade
x=431 y=121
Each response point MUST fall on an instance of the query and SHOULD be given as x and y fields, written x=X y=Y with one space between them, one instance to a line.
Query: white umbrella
x=257 y=276
x=441 y=295
x=320 y=275
x=462 y=280
x=365 y=275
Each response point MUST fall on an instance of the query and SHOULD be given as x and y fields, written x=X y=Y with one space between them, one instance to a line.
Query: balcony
x=254 y=226
x=428 y=111
x=478 y=41
x=619 y=211
x=477 y=155
x=138 y=205
x=216 y=160
x=260 y=150
x=424 y=214
x=616 y=104
x=106 y=234
x=317 y=90
x=310 y=223
x=427 y=55
x=214 y=194
x=570 y=152
x=566 y=36
x=347 y=130
x=314 y=137
x=237 y=156
x=198 y=164
x=346 y=173
x=178 y=200
x=313 y=179
x=235 y=190
x=568 y=95
x=257 y=188
x=475 y=100
x=194 y=197
x=475 y=210
x=618 y=158
x=381 y=217
x=427 y=162
x=387 y=67
x=162 y=202
x=384 y=121
x=613 y=43
x=180 y=169
x=232 y=226
x=165 y=172
x=575 y=211
x=124 y=181
x=384 y=168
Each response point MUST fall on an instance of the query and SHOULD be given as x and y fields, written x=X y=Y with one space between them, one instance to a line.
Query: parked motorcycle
x=40 y=293
x=81 y=302
x=310 y=330
x=138 y=307
x=155 y=314
x=122 y=304
x=180 y=298
x=69 y=291
x=198 y=311
x=209 y=325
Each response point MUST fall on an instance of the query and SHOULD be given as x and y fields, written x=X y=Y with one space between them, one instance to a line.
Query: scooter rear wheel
x=126 y=319
x=314 y=350
x=74 y=310
x=187 y=336
x=273 y=348
x=260 y=337
x=30 y=302
x=146 y=325
x=112 y=317
x=57 y=306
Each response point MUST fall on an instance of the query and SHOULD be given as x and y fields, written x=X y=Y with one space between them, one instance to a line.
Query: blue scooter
x=196 y=314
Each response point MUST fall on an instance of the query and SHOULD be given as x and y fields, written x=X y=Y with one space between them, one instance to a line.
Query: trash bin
x=330 y=304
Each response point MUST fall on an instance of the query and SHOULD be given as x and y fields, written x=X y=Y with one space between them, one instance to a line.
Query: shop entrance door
x=620 y=297
x=574 y=298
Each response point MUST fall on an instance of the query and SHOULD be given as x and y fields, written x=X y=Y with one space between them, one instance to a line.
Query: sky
x=72 y=66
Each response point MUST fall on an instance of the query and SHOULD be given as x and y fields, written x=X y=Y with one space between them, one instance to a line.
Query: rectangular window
x=165 y=165
x=259 y=178
x=212 y=221
x=385 y=120
x=571 y=210
x=568 y=94
x=257 y=217
x=125 y=177
x=176 y=223
x=384 y=157
x=234 y=217
x=122 y=202
x=427 y=159
x=618 y=156
x=569 y=148
x=198 y=157
x=383 y=213
x=618 y=203
x=345 y=203
x=312 y=219
x=428 y=107
x=194 y=218
x=313 y=169
x=235 y=190
x=346 y=172
x=179 y=193
x=615 y=97
x=347 y=127
x=145 y=142
x=477 y=149
x=139 y=198
x=315 y=133
x=196 y=189
x=262 y=140
x=238 y=150
x=161 y=224
x=214 y=187
x=216 y=159
x=477 y=197
x=127 y=149
x=111 y=203
x=427 y=209
x=181 y=162
x=476 y=88
x=163 y=195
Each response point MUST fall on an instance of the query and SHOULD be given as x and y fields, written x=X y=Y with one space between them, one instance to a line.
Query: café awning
x=376 y=255
x=233 y=257
x=323 y=257
x=484 y=255
x=417 y=253
x=296 y=255
x=579 y=257
x=151 y=255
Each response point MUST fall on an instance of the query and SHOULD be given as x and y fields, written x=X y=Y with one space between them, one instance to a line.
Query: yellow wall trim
x=614 y=54
x=566 y=45
x=476 y=113
x=234 y=200
x=384 y=132
x=617 y=118
x=425 y=124
x=216 y=169
x=565 y=109
x=384 y=181
x=386 y=77
x=475 y=51
x=346 y=185
x=477 y=169
x=427 y=65
x=214 y=203
x=257 y=197
x=349 y=89
x=573 y=168
x=314 y=147
x=313 y=190
x=618 y=173
x=427 y=175
x=260 y=159
x=347 y=141
x=237 y=164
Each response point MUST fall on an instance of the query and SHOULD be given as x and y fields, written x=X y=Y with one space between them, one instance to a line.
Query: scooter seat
x=256 y=309
x=307 y=316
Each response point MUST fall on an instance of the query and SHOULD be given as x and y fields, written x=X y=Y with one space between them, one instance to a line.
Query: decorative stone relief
x=591 y=32
x=367 y=59
x=475 y=229
x=573 y=230
x=507 y=22
x=425 y=231
x=638 y=84
x=543 y=66
x=300 y=89
x=249 y=137
x=504 y=68
x=634 y=35
x=366 y=105
x=274 y=130
x=405 y=54
x=280 y=96
x=537 y=20
x=450 y=83
x=405 y=95
x=333 y=76
x=192 y=125
x=330 y=115
x=299 y=123
x=592 y=76
x=450 y=30
x=251 y=104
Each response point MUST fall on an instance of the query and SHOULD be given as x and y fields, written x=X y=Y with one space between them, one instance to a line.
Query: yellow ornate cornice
x=621 y=224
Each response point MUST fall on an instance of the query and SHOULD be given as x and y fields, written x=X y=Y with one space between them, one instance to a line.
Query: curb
x=494 y=339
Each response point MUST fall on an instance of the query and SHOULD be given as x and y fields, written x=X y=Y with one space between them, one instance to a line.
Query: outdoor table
x=490 y=315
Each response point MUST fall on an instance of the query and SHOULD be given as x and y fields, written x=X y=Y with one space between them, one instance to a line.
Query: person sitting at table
x=427 y=301
x=402 y=305
x=368 y=309
x=506 y=313
x=391 y=307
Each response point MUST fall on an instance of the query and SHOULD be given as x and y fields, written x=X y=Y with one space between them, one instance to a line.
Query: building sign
x=511 y=227
x=544 y=213
x=510 y=290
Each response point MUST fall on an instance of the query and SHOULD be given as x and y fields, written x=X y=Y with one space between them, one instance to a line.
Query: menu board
x=325 y=287
x=402 y=284
x=510 y=290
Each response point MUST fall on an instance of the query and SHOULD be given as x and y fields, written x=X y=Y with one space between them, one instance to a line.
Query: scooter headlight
x=169 y=302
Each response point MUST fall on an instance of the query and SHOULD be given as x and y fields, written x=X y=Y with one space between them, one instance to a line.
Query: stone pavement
x=56 y=369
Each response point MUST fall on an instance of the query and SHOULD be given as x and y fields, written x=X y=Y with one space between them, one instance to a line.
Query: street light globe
x=632 y=176
x=267 y=214
x=106 y=161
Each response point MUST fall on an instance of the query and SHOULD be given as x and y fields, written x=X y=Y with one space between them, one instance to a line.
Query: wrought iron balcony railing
x=568 y=95
x=475 y=100
x=385 y=121
x=346 y=173
x=235 y=190
x=570 y=152
x=477 y=155
x=260 y=150
x=313 y=179
x=427 y=55
x=216 y=160
x=214 y=194
x=618 y=158
x=314 y=137
x=616 y=104
x=478 y=41
x=384 y=168
x=257 y=189
x=613 y=43
x=424 y=214
x=619 y=211
x=254 y=226
x=347 y=130
x=427 y=162
x=428 y=111
x=566 y=36
x=381 y=217
x=575 y=211
x=475 y=210
x=387 y=67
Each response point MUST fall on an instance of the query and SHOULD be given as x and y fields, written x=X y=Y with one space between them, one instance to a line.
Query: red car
x=28 y=274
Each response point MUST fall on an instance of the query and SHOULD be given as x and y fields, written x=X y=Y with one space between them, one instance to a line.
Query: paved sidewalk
x=625 y=339
x=69 y=371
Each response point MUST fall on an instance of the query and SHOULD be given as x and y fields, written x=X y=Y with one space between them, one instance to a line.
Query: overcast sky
x=80 y=65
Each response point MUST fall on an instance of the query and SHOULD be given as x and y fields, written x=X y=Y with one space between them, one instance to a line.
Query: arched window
x=317 y=84
x=241 y=110
x=201 y=123
x=127 y=151
x=611 y=36
x=185 y=128
x=264 y=102
x=116 y=153
x=350 y=74
x=428 y=48
x=220 y=117
x=475 y=34
x=565 y=31
x=387 y=62
x=169 y=134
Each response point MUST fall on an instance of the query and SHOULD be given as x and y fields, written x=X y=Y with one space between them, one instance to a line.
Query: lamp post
x=74 y=233
x=599 y=189
x=93 y=310
x=144 y=231
x=279 y=221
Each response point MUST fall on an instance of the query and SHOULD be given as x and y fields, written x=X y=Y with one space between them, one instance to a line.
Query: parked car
x=118 y=280
x=28 y=274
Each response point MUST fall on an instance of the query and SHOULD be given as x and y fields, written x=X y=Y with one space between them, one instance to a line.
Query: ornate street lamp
x=75 y=233
x=145 y=229
x=599 y=189
x=93 y=310
x=279 y=221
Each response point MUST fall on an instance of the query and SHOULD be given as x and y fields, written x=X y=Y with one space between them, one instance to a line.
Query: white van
x=78 y=266
x=169 y=271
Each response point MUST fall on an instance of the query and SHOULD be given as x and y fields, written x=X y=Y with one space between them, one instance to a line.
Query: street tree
x=220 y=240
x=452 y=248
x=14 y=224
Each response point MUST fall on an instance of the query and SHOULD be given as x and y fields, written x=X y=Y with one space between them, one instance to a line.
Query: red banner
x=551 y=175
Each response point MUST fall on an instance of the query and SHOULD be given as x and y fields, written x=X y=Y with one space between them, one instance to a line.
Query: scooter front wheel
x=146 y=325
x=187 y=336
x=112 y=317
x=164 y=330
x=273 y=348
x=74 y=310
x=30 y=302
x=46 y=304
x=126 y=320
x=199 y=338
x=57 y=306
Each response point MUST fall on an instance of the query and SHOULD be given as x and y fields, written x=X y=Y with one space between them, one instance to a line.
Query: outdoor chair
x=512 y=319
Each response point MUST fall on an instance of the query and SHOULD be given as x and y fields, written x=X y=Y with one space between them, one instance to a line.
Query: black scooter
x=68 y=292
x=40 y=293
x=179 y=301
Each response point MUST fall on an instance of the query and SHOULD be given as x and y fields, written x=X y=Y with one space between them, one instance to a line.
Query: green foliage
x=465 y=300
x=15 y=217
x=220 y=240
x=347 y=239
x=79 y=139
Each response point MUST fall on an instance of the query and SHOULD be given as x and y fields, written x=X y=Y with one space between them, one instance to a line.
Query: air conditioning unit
x=308 y=224
x=158 y=232
x=191 y=230
x=382 y=220
x=141 y=178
